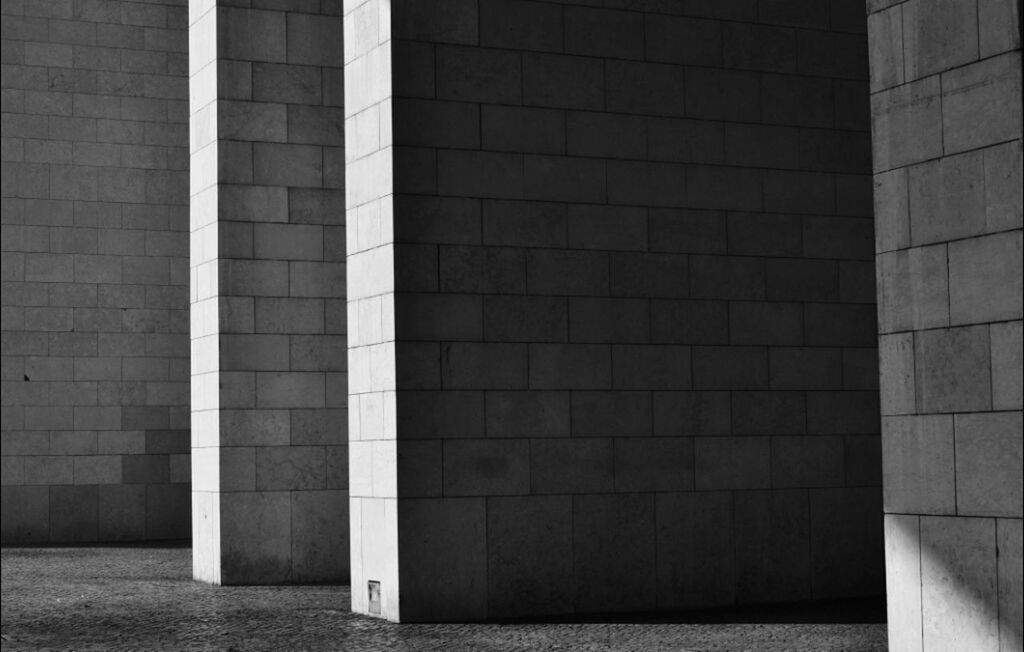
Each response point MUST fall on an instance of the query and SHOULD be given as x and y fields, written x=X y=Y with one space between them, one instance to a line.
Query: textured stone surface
x=946 y=121
x=628 y=259
x=95 y=271
x=99 y=599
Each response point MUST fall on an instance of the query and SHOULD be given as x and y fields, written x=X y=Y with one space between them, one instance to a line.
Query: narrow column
x=269 y=387
x=946 y=113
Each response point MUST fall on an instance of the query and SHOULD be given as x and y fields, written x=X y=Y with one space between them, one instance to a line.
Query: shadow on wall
x=953 y=583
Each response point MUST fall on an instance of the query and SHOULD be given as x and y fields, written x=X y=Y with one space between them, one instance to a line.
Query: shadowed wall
x=95 y=271
x=633 y=325
x=946 y=118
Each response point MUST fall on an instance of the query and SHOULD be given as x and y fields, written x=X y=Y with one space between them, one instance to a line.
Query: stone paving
x=142 y=598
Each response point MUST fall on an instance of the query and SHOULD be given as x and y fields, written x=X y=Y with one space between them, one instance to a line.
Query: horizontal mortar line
x=940 y=157
x=938 y=243
x=942 y=72
x=795 y=72
x=603 y=111
x=932 y=329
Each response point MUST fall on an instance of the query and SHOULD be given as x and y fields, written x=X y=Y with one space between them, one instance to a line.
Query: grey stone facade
x=526 y=307
x=946 y=107
x=95 y=271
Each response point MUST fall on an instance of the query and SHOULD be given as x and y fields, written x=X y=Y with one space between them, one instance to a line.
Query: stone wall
x=95 y=273
x=268 y=284
x=946 y=115
x=634 y=321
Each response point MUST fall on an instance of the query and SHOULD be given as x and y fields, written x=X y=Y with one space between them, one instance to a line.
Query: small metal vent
x=373 y=588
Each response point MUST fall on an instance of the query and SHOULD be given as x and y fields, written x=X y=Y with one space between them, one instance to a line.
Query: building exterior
x=510 y=307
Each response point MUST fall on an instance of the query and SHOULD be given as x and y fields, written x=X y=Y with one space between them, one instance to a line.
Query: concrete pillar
x=607 y=282
x=946 y=114
x=268 y=320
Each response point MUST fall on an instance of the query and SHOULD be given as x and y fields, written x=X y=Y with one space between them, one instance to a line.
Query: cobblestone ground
x=143 y=599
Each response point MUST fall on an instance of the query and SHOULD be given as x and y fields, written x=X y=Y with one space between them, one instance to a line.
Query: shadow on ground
x=143 y=598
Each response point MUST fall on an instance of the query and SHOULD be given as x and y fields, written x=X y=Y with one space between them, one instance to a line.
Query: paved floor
x=142 y=599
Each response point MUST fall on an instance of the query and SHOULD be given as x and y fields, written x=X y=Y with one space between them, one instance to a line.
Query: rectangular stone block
x=918 y=464
x=961 y=563
x=985 y=279
x=529 y=553
x=979 y=102
x=952 y=369
x=528 y=414
x=1006 y=365
x=578 y=466
x=772 y=525
x=477 y=467
x=732 y=463
x=626 y=552
x=988 y=454
x=907 y=123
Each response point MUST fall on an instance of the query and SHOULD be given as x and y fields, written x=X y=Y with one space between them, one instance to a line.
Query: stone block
x=939 y=36
x=26 y=513
x=577 y=465
x=569 y=366
x=480 y=75
x=918 y=464
x=645 y=88
x=805 y=368
x=661 y=464
x=732 y=463
x=768 y=413
x=1008 y=542
x=520 y=25
x=604 y=33
x=611 y=414
x=907 y=123
x=559 y=81
x=525 y=319
x=444 y=561
x=767 y=323
x=529 y=553
x=896 y=369
x=1006 y=365
x=947 y=198
x=320 y=536
x=846 y=413
x=813 y=461
x=694 y=545
x=73 y=513
x=689 y=322
x=517 y=129
x=985 y=279
x=686 y=231
x=423 y=316
x=525 y=224
x=885 y=48
x=464 y=173
x=715 y=94
x=755 y=234
x=609 y=320
x=528 y=414
x=846 y=542
x=958 y=583
x=1003 y=186
x=603 y=134
x=952 y=370
x=485 y=366
x=649 y=275
x=903 y=580
x=979 y=102
x=730 y=367
x=255 y=537
x=565 y=178
x=606 y=227
x=482 y=467
x=727 y=277
x=772 y=536
x=913 y=290
x=988 y=462
x=614 y=552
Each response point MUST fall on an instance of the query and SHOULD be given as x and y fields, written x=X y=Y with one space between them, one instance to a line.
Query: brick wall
x=95 y=274
x=634 y=312
x=946 y=114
